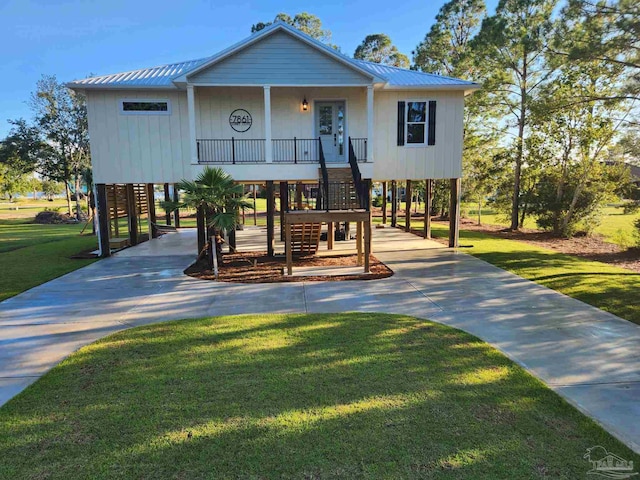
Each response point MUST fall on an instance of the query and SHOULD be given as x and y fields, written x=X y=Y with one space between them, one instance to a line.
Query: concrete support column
x=268 y=144
x=103 y=220
x=454 y=213
x=394 y=203
x=271 y=207
x=407 y=207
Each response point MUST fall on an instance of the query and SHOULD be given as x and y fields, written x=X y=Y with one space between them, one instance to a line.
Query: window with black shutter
x=417 y=123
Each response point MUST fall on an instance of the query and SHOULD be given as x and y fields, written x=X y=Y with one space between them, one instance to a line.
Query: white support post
x=370 y=123
x=268 y=151
x=191 y=109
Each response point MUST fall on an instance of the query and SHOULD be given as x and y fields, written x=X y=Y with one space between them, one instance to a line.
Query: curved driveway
x=590 y=357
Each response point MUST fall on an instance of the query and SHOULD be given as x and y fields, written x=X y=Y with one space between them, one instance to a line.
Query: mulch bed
x=239 y=268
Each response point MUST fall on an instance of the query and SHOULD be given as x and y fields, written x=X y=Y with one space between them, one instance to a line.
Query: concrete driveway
x=588 y=356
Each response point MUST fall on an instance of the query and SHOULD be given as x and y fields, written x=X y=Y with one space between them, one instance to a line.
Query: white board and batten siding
x=138 y=148
x=276 y=60
x=288 y=120
x=442 y=160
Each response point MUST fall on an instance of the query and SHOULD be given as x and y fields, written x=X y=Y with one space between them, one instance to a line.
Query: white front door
x=330 y=127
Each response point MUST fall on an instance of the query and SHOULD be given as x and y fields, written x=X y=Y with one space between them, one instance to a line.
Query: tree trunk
x=68 y=195
x=78 y=202
x=522 y=121
x=479 y=212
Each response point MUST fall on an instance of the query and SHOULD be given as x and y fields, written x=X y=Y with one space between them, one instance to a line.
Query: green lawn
x=615 y=226
x=32 y=254
x=604 y=286
x=26 y=208
x=348 y=395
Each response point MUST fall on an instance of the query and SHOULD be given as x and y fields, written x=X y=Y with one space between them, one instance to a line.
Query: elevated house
x=279 y=109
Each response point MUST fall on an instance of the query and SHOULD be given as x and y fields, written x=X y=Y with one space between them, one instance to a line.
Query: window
x=145 y=107
x=416 y=123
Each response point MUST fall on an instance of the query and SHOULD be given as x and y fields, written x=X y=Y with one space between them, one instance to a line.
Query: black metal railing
x=361 y=187
x=296 y=150
x=360 y=146
x=323 y=192
x=301 y=196
x=329 y=196
x=231 y=151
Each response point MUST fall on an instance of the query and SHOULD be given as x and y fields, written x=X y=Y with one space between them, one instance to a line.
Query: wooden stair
x=342 y=190
x=339 y=175
x=305 y=238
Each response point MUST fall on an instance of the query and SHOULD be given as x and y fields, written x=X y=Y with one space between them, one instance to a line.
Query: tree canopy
x=378 y=48
x=305 y=22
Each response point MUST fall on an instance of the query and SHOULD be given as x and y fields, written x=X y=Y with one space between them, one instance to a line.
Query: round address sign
x=240 y=120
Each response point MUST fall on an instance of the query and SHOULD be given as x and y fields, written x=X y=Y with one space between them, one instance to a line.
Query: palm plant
x=215 y=193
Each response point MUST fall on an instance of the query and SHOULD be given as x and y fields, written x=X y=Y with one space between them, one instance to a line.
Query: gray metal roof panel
x=396 y=76
x=160 y=76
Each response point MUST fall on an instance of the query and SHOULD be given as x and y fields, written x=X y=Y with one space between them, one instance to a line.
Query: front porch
x=279 y=126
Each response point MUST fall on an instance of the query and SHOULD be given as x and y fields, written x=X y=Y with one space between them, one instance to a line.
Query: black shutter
x=431 y=139
x=401 y=117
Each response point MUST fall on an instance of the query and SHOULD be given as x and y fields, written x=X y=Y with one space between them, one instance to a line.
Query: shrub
x=48 y=217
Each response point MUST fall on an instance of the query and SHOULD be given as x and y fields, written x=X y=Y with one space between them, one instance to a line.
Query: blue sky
x=73 y=38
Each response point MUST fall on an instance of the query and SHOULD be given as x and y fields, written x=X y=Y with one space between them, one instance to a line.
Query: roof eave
x=98 y=86
x=467 y=88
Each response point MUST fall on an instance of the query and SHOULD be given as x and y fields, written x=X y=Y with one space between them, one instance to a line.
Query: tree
x=513 y=42
x=378 y=48
x=12 y=181
x=573 y=136
x=445 y=49
x=50 y=188
x=219 y=196
x=61 y=114
x=23 y=149
x=305 y=22
x=604 y=31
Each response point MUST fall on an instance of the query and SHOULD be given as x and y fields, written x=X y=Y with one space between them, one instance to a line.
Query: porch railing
x=360 y=146
x=284 y=150
x=231 y=151
x=295 y=150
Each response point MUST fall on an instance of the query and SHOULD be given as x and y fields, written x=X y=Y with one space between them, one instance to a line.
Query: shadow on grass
x=297 y=396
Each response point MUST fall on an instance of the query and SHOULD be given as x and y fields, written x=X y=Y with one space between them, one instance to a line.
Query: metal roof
x=167 y=76
x=401 y=77
x=161 y=76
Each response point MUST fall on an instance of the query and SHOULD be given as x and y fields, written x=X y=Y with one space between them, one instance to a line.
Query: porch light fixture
x=305 y=105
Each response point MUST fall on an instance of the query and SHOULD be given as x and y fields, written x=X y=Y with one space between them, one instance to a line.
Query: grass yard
x=32 y=254
x=348 y=395
x=604 y=286
x=27 y=207
x=615 y=226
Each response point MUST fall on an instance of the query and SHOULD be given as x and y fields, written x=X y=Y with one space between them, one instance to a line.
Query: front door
x=330 y=127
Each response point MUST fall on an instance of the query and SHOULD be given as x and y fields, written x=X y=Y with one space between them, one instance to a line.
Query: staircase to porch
x=340 y=190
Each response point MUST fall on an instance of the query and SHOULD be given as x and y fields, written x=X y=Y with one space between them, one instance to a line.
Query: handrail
x=325 y=175
x=357 y=178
